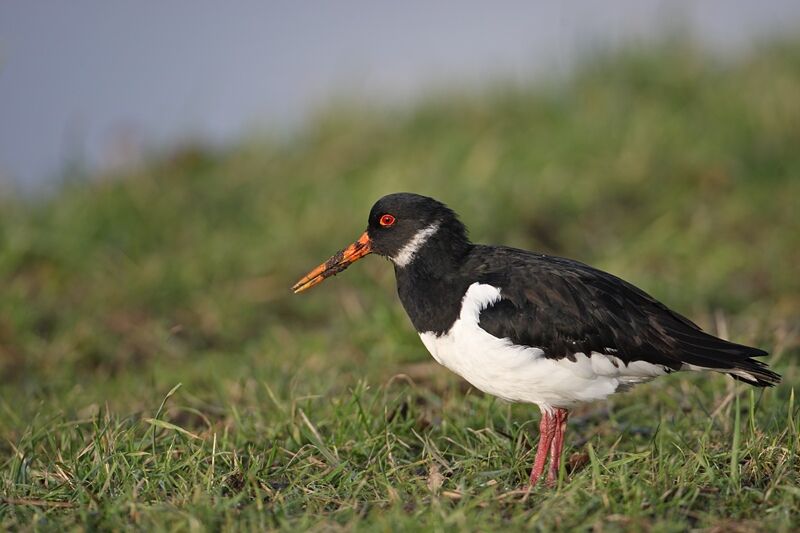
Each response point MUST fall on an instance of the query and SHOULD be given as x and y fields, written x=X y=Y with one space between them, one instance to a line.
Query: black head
x=401 y=224
x=406 y=228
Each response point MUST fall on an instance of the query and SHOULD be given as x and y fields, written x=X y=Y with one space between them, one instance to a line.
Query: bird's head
x=400 y=226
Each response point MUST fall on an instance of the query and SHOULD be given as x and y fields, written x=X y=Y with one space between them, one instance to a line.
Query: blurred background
x=168 y=170
x=95 y=84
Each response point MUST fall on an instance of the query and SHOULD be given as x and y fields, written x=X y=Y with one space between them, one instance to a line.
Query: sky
x=82 y=80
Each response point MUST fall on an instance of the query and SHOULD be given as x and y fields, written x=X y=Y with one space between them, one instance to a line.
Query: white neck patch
x=407 y=252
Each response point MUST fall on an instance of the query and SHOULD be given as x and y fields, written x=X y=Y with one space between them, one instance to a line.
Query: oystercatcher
x=529 y=327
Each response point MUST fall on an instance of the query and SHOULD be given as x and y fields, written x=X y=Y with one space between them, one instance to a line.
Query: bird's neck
x=438 y=258
x=432 y=285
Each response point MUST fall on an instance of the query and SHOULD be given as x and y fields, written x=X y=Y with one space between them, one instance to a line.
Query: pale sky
x=76 y=76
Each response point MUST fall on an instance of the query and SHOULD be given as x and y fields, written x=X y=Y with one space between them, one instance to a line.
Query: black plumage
x=567 y=307
x=559 y=305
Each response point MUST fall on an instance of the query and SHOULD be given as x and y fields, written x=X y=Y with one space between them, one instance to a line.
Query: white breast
x=521 y=373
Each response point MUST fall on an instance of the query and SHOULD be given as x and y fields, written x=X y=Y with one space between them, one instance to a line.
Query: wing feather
x=567 y=307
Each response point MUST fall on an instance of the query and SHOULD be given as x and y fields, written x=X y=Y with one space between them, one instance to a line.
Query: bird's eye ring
x=387 y=220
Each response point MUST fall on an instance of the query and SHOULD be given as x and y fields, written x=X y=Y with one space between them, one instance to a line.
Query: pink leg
x=547 y=429
x=557 y=445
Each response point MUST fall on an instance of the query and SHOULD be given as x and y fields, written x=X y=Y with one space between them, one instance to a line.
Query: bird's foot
x=551 y=440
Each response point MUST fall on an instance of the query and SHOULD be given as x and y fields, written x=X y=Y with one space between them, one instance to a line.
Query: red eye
x=387 y=220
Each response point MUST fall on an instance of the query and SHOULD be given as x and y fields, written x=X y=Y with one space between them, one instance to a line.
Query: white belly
x=523 y=374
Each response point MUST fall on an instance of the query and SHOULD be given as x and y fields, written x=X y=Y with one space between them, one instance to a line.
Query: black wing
x=566 y=307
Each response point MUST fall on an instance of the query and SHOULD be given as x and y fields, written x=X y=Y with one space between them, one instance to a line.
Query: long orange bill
x=340 y=260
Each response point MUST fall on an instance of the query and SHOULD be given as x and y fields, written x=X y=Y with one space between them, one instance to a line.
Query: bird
x=529 y=327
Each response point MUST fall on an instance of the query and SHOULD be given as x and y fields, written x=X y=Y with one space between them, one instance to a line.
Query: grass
x=157 y=373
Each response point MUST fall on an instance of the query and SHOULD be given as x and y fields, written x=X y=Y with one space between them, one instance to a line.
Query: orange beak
x=340 y=260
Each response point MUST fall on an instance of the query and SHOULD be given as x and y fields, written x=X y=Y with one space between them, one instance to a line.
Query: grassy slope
x=677 y=173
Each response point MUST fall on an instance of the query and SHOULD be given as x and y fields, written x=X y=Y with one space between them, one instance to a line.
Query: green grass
x=323 y=410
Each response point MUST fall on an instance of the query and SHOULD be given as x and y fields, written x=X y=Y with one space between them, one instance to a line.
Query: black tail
x=702 y=351
x=754 y=372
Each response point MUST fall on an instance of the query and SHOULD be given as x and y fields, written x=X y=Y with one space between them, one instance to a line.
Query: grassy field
x=157 y=373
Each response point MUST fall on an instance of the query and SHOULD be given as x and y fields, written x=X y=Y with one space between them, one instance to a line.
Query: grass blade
x=735 y=445
x=167 y=425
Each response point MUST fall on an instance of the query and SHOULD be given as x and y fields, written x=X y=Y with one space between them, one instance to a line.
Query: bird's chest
x=431 y=304
x=491 y=364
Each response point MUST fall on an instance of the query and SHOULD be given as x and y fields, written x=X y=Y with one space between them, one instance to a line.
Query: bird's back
x=566 y=307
